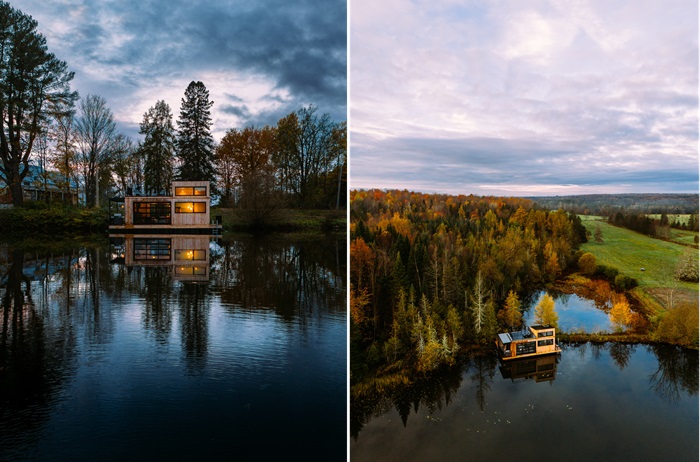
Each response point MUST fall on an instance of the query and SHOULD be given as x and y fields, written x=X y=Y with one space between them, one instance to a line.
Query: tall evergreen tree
x=34 y=86
x=195 y=144
x=158 y=147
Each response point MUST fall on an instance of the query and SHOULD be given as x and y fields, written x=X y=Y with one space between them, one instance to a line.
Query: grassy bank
x=285 y=220
x=41 y=218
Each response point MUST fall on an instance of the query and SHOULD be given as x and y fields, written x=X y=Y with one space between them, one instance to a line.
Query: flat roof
x=542 y=327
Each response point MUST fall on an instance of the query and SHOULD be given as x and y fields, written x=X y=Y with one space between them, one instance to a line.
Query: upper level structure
x=187 y=209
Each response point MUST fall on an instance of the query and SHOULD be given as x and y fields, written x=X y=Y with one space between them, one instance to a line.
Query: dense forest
x=610 y=204
x=430 y=273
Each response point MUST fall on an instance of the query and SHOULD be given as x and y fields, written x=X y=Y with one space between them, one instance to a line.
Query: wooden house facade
x=187 y=209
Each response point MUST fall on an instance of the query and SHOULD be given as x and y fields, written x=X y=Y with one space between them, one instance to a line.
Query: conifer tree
x=195 y=144
x=510 y=315
x=158 y=148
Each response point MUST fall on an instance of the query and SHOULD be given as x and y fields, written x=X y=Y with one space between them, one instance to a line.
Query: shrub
x=623 y=282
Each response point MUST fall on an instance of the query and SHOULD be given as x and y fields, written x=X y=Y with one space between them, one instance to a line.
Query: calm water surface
x=241 y=358
x=602 y=403
x=575 y=313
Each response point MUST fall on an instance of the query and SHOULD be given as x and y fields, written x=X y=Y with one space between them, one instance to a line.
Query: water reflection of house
x=186 y=210
x=541 y=369
x=187 y=256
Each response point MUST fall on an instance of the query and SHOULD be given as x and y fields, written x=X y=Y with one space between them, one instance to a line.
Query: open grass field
x=629 y=251
x=677 y=217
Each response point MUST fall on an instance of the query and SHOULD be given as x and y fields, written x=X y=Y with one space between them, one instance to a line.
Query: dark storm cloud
x=294 y=49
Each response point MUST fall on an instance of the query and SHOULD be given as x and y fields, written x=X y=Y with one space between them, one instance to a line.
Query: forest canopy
x=430 y=271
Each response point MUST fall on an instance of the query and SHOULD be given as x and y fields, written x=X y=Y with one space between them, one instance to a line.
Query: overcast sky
x=259 y=59
x=524 y=97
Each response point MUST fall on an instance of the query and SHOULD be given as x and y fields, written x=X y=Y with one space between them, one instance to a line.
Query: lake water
x=596 y=402
x=575 y=313
x=237 y=352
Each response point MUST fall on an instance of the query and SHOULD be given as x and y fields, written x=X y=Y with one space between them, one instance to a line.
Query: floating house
x=186 y=210
x=185 y=256
x=536 y=340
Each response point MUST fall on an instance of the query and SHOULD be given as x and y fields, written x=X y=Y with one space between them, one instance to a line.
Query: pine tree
x=195 y=145
x=598 y=235
x=158 y=148
x=510 y=314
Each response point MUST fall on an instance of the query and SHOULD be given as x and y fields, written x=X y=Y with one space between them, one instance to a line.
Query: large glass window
x=190 y=255
x=191 y=191
x=151 y=213
x=151 y=248
x=190 y=207
x=525 y=348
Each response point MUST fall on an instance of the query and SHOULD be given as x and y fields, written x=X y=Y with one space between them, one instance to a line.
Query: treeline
x=650 y=226
x=609 y=204
x=76 y=147
x=432 y=272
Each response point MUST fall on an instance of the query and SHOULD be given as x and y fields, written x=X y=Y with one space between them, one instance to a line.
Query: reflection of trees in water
x=677 y=372
x=484 y=370
x=621 y=353
x=433 y=392
x=193 y=300
x=156 y=290
x=291 y=277
x=36 y=353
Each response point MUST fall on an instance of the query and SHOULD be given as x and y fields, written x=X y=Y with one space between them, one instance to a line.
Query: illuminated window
x=190 y=207
x=191 y=270
x=190 y=255
x=151 y=213
x=191 y=191
x=151 y=249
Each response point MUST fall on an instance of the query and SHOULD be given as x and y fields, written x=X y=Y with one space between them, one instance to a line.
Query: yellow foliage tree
x=620 y=314
x=545 y=312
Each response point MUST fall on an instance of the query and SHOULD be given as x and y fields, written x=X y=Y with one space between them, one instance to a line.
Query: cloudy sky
x=260 y=60
x=524 y=97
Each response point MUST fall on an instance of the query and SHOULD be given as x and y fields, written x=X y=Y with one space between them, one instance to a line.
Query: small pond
x=575 y=313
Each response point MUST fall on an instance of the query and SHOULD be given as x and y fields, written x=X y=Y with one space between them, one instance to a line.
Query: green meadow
x=629 y=252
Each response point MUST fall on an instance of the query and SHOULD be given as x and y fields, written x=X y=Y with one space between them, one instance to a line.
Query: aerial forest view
x=435 y=277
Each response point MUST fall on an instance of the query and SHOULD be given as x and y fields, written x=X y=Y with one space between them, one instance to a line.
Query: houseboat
x=186 y=210
x=534 y=341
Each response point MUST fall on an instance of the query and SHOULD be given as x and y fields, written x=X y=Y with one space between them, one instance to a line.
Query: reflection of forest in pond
x=605 y=402
x=99 y=353
x=575 y=313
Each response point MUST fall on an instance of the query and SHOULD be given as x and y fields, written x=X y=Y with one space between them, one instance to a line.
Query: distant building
x=44 y=185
